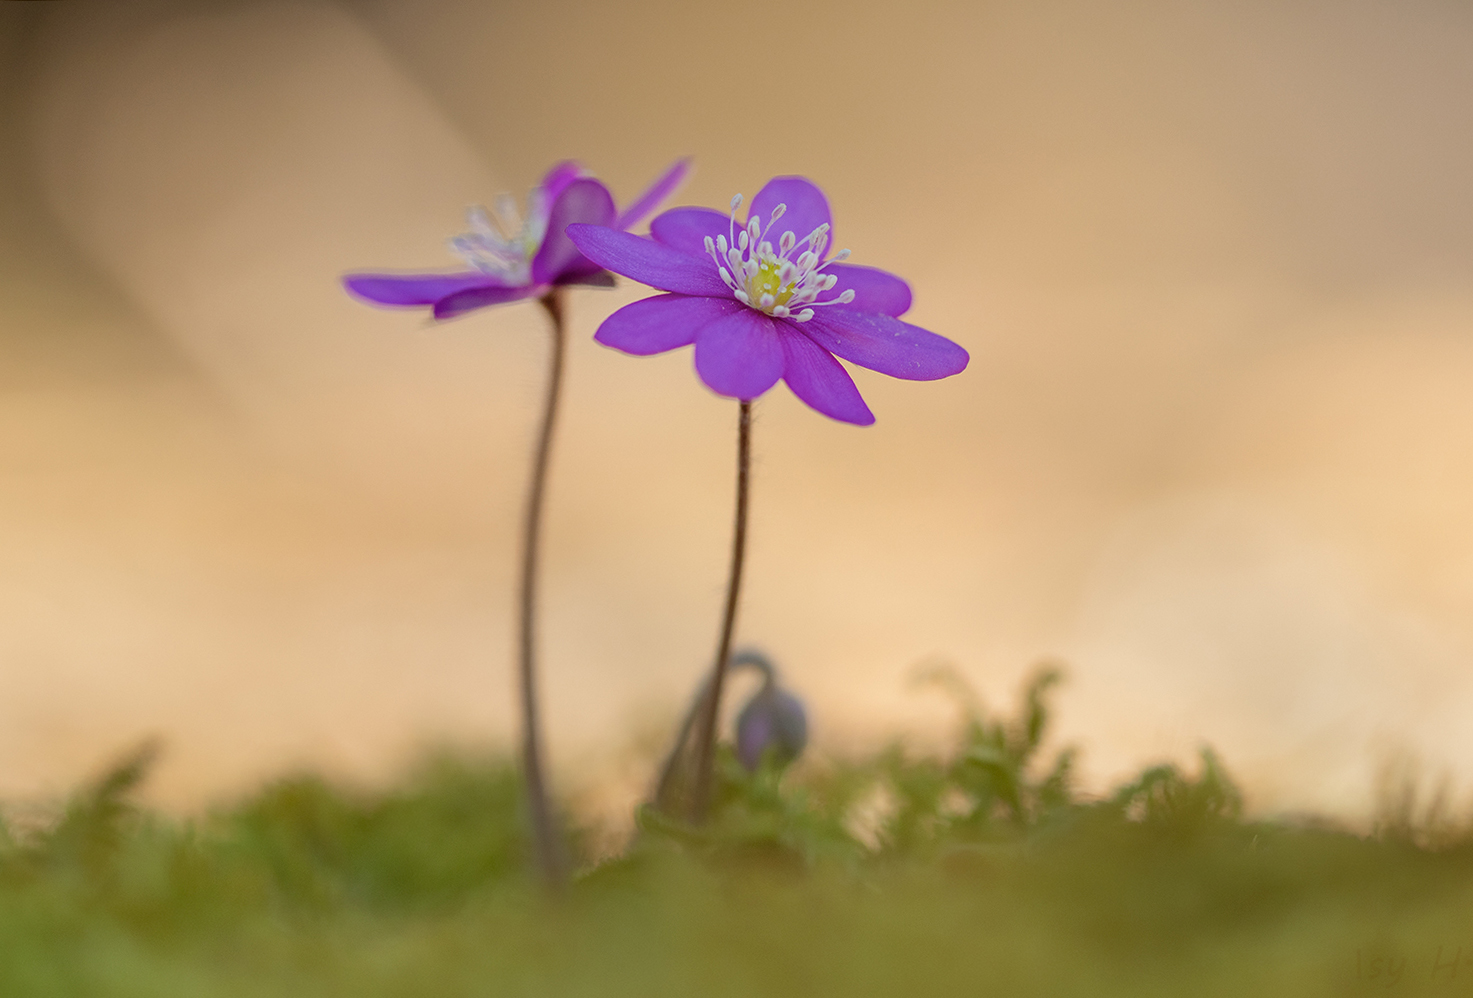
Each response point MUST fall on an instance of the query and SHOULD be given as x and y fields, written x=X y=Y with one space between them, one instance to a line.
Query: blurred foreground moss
x=980 y=873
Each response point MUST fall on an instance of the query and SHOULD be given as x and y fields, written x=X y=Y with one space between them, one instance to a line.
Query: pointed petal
x=585 y=200
x=408 y=290
x=739 y=355
x=875 y=290
x=807 y=207
x=648 y=262
x=468 y=301
x=686 y=229
x=652 y=198
x=885 y=344
x=819 y=380
x=664 y=322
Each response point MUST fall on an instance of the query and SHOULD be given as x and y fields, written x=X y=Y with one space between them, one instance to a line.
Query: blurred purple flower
x=514 y=258
x=760 y=302
x=773 y=720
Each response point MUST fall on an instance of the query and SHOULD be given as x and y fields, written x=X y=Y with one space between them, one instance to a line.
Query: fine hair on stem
x=705 y=746
x=551 y=859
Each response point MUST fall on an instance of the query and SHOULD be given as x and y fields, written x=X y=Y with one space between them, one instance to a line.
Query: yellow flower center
x=767 y=282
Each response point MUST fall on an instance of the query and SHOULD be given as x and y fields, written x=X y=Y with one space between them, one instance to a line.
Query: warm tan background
x=1215 y=448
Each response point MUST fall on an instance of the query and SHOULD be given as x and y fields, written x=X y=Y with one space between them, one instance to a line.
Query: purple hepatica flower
x=762 y=302
x=772 y=720
x=514 y=258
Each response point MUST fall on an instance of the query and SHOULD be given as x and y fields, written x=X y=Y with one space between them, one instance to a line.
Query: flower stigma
x=500 y=242
x=772 y=279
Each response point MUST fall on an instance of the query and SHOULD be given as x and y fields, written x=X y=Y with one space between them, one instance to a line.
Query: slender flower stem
x=706 y=732
x=666 y=784
x=547 y=841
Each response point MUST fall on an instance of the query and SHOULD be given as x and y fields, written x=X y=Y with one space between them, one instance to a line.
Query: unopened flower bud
x=773 y=719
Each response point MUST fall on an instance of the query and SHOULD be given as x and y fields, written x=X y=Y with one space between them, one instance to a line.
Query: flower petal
x=652 y=198
x=468 y=301
x=664 y=322
x=819 y=380
x=686 y=229
x=807 y=207
x=583 y=200
x=885 y=344
x=648 y=262
x=559 y=177
x=875 y=290
x=739 y=355
x=407 y=290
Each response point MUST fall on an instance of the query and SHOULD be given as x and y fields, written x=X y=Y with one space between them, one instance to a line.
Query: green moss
x=982 y=872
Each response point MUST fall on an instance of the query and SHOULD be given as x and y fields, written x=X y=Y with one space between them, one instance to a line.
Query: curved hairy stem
x=547 y=840
x=705 y=746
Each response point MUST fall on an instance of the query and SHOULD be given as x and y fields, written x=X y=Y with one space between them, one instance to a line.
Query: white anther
x=506 y=208
x=500 y=242
x=749 y=264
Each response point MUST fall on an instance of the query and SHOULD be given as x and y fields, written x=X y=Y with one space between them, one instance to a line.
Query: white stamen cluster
x=500 y=242
x=770 y=279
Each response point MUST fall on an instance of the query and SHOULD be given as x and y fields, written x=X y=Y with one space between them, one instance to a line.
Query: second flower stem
x=706 y=730
x=547 y=842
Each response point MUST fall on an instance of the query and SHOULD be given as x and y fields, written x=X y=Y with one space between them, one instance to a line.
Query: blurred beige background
x=1214 y=265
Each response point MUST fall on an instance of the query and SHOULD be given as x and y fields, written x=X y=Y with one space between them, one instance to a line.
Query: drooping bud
x=773 y=719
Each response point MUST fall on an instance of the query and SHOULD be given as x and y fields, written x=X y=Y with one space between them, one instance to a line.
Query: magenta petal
x=648 y=262
x=875 y=290
x=651 y=199
x=819 y=380
x=885 y=344
x=686 y=229
x=664 y=322
x=468 y=301
x=739 y=355
x=559 y=177
x=406 y=290
x=585 y=200
x=807 y=207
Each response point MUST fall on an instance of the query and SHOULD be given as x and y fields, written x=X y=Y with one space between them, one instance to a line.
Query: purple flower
x=762 y=301
x=773 y=720
x=512 y=258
